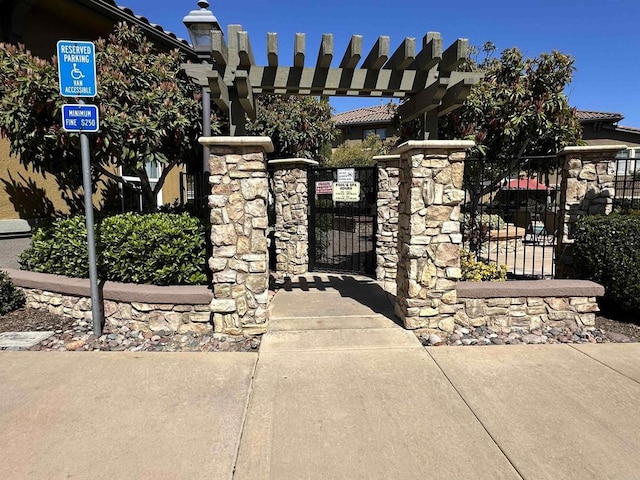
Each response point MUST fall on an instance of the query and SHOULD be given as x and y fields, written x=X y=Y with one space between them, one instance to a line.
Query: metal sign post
x=77 y=75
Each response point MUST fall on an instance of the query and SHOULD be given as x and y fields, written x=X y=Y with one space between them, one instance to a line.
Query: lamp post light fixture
x=200 y=24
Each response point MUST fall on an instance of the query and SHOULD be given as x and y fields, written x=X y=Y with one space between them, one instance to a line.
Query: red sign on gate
x=324 y=188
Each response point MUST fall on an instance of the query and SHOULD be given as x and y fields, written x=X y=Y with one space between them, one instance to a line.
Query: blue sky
x=602 y=36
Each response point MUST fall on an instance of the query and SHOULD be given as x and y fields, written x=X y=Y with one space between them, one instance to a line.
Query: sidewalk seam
x=245 y=414
x=602 y=363
x=474 y=414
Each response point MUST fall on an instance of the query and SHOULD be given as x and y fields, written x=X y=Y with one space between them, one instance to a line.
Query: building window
x=132 y=198
x=628 y=162
x=381 y=132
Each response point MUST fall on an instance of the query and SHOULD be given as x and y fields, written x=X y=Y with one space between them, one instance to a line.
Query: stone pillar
x=587 y=188
x=429 y=235
x=387 y=220
x=291 y=191
x=239 y=258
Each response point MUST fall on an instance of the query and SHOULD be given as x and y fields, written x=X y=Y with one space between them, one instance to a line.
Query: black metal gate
x=342 y=219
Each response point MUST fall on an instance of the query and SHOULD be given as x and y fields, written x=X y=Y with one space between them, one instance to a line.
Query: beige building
x=598 y=128
x=25 y=195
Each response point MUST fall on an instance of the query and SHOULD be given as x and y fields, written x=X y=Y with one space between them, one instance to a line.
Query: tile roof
x=157 y=32
x=385 y=113
x=376 y=114
x=589 y=116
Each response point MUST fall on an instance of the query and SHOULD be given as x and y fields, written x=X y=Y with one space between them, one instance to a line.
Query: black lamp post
x=200 y=24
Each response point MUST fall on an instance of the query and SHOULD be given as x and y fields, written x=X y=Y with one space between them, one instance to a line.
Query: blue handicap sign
x=77 y=68
x=80 y=118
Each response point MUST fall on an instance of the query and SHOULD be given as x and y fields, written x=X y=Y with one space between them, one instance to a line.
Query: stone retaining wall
x=139 y=307
x=526 y=304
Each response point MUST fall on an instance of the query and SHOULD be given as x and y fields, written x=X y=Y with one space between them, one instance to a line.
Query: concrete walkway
x=338 y=391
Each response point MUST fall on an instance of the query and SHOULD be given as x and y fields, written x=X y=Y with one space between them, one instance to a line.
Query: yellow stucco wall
x=171 y=188
x=25 y=193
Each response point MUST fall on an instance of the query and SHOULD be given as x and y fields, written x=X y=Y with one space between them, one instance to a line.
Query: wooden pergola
x=427 y=79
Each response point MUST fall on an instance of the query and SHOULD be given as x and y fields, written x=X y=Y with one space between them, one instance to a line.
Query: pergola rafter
x=427 y=79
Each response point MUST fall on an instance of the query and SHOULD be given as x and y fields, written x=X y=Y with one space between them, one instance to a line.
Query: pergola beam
x=453 y=56
x=455 y=96
x=430 y=54
x=320 y=81
x=403 y=56
x=427 y=79
x=272 y=49
x=219 y=52
x=325 y=55
x=424 y=101
x=378 y=55
x=245 y=53
x=353 y=54
x=298 y=50
x=219 y=90
x=245 y=93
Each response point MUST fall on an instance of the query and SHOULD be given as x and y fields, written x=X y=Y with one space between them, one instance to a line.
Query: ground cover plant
x=607 y=251
x=474 y=270
x=157 y=249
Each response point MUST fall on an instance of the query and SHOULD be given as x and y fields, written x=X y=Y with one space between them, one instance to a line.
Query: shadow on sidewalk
x=365 y=291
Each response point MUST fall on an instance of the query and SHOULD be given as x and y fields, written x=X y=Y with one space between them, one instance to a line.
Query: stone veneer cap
x=592 y=148
x=291 y=161
x=433 y=145
x=382 y=158
x=529 y=288
x=120 y=292
x=264 y=142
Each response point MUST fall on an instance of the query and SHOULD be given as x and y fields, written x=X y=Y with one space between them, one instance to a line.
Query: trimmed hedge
x=157 y=249
x=11 y=297
x=607 y=251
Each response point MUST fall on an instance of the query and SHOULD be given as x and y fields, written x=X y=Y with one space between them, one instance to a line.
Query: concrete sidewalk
x=343 y=393
x=121 y=415
x=346 y=393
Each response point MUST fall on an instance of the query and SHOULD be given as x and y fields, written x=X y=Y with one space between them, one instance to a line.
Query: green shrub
x=59 y=247
x=476 y=271
x=492 y=221
x=11 y=297
x=158 y=249
x=607 y=250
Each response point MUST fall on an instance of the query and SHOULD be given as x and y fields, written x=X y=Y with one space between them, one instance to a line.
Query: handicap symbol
x=76 y=73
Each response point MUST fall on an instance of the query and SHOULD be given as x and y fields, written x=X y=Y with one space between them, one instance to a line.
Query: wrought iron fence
x=194 y=192
x=342 y=233
x=510 y=214
x=627 y=183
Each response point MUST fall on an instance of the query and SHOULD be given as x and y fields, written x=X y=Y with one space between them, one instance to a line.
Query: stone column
x=587 y=188
x=291 y=191
x=429 y=235
x=239 y=258
x=387 y=220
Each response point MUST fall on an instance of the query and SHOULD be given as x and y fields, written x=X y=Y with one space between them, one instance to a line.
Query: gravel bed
x=487 y=336
x=81 y=338
x=78 y=336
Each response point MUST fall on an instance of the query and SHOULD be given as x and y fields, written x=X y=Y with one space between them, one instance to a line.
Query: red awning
x=525 y=184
